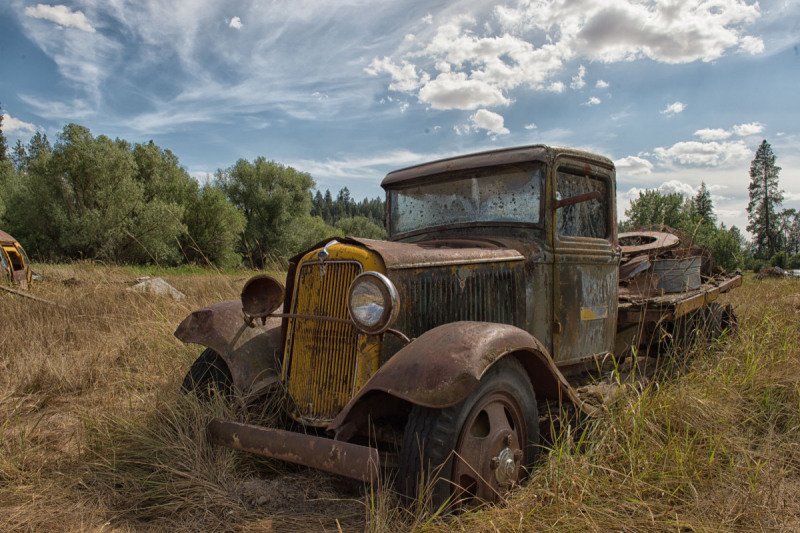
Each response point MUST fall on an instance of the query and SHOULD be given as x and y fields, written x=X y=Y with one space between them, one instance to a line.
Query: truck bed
x=634 y=308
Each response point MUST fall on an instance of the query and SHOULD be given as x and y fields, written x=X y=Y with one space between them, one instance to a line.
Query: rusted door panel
x=586 y=305
x=539 y=300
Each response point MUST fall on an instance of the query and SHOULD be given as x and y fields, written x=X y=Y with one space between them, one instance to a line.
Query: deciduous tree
x=273 y=198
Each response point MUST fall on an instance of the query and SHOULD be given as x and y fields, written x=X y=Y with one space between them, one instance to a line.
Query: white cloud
x=491 y=122
x=676 y=186
x=61 y=15
x=704 y=153
x=455 y=91
x=404 y=76
x=592 y=101
x=712 y=134
x=633 y=165
x=15 y=125
x=531 y=126
x=578 y=81
x=557 y=87
x=529 y=44
x=719 y=134
x=751 y=128
x=428 y=19
x=674 y=108
x=369 y=167
x=235 y=23
x=601 y=84
x=751 y=45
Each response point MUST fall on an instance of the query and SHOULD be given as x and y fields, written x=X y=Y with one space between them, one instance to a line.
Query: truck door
x=585 y=263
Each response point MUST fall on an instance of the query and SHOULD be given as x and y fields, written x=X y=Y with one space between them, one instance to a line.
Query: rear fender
x=251 y=353
x=444 y=365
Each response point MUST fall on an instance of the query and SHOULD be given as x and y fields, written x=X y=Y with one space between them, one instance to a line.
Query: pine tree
x=765 y=198
x=19 y=156
x=38 y=145
x=3 y=143
x=702 y=206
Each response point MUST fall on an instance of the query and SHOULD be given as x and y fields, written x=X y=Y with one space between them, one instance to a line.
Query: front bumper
x=342 y=458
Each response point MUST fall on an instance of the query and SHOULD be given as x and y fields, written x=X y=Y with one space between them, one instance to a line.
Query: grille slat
x=323 y=355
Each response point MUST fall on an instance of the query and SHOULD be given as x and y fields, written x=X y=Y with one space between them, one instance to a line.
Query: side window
x=585 y=219
x=16 y=259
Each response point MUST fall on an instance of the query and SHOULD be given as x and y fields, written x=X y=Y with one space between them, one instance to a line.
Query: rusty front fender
x=444 y=365
x=251 y=353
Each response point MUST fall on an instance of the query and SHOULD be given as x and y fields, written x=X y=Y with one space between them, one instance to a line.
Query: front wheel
x=208 y=375
x=476 y=450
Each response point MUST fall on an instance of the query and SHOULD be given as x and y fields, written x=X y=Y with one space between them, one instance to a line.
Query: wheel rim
x=490 y=452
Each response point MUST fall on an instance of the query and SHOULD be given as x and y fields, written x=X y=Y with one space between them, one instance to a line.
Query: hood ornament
x=323 y=255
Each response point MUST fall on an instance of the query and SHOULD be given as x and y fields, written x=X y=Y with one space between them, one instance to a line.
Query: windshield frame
x=479 y=173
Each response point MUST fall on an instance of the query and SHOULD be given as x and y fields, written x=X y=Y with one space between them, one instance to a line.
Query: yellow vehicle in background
x=15 y=266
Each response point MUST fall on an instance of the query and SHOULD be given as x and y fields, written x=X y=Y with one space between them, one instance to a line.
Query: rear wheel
x=477 y=450
x=208 y=375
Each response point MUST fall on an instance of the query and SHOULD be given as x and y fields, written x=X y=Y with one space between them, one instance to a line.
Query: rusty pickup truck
x=439 y=352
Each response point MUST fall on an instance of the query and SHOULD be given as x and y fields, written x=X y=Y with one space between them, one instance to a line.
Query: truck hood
x=401 y=255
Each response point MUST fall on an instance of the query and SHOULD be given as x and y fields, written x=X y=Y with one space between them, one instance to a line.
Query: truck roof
x=503 y=156
x=5 y=237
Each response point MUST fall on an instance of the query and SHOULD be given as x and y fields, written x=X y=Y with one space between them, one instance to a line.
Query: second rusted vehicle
x=15 y=267
x=439 y=352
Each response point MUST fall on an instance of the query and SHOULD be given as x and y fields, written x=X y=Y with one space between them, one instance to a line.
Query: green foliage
x=3 y=142
x=790 y=231
x=359 y=226
x=273 y=198
x=654 y=207
x=19 y=156
x=214 y=227
x=83 y=200
x=694 y=217
x=7 y=183
x=765 y=198
x=344 y=206
x=162 y=176
x=702 y=206
x=780 y=259
x=312 y=230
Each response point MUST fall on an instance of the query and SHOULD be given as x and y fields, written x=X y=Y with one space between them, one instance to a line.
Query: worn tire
x=208 y=375
x=432 y=437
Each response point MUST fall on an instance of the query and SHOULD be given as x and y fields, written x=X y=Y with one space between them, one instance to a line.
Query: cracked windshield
x=505 y=196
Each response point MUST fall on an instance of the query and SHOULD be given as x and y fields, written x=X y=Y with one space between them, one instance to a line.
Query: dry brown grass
x=94 y=436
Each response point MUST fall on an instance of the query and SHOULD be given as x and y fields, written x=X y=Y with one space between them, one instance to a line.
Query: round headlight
x=373 y=302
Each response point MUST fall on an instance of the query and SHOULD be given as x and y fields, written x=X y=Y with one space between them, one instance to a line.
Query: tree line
x=776 y=231
x=94 y=197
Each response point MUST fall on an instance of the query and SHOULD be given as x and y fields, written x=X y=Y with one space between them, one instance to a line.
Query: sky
x=675 y=92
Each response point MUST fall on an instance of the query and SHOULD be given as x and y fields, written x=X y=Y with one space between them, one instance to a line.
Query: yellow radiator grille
x=322 y=355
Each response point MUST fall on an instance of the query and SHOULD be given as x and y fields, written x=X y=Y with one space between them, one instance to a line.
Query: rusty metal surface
x=342 y=458
x=20 y=277
x=647 y=242
x=661 y=307
x=438 y=252
x=522 y=154
x=441 y=367
x=481 y=292
x=251 y=353
x=6 y=238
x=261 y=295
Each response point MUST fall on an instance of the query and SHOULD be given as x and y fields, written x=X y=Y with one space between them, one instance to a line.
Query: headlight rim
x=391 y=301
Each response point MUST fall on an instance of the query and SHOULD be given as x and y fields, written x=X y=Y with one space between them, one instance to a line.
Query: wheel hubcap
x=489 y=454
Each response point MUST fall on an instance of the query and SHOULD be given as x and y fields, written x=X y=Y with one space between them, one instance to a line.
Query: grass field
x=94 y=435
